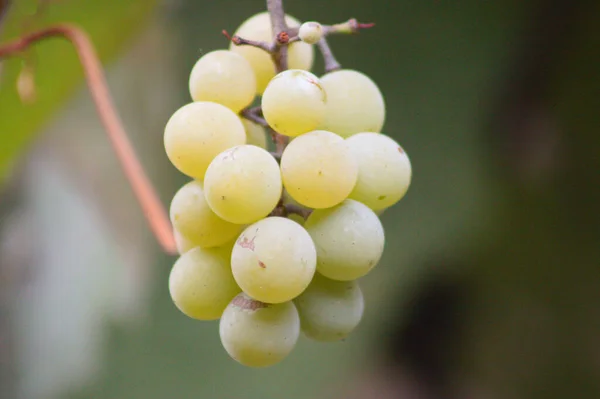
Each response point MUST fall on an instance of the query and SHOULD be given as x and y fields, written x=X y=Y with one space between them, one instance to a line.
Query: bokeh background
x=490 y=283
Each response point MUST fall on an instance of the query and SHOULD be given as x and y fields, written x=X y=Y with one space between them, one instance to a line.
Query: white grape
x=258 y=27
x=274 y=260
x=354 y=103
x=243 y=184
x=330 y=310
x=197 y=132
x=223 y=77
x=310 y=32
x=201 y=283
x=384 y=170
x=183 y=244
x=349 y=239
x=257 y=334
x=255 y=134
x=294 y=102
x=318 y=169
x=195 y=221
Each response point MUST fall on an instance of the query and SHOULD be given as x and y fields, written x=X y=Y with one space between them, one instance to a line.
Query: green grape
x=255 y=134
x=330 y=310
x=310 y=32
x=258 y=27
x=201 y=283
x=257 y=334
x=196 y=222
x=223 y=77
x=243 y=184
x=384 y=170
x=183 y=244
x=354 y=103
x=349 y=239
x=197 y=132
x=294 y=102
x=274 y=260
x=318 y=169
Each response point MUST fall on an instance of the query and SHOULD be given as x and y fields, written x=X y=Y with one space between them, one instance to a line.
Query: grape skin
x=196 y=222
x=258 y=27
x=223 y=77
x=294 y=102
x=354 y=103
x=318 y=169
x=274 y=260
x=201 y=284
x=349 y=239
x=197 y=132
x=310 y=32
x=183 y=244
x=384 y=170
x=256 y=334
x=330 y=310
x=243 y=184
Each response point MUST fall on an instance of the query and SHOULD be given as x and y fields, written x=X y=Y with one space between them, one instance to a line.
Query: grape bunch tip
x=273 y=244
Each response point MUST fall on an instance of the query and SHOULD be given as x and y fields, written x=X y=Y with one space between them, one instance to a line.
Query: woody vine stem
x=154 y=211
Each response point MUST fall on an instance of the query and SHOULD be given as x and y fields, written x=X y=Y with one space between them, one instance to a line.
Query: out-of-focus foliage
x=109 y=23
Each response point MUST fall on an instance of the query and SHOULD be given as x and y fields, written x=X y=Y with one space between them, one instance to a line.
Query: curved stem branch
x=153 y=209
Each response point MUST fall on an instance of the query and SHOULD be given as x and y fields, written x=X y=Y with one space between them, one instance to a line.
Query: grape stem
x=255 y=115
x=147 y=197
x=331 y=63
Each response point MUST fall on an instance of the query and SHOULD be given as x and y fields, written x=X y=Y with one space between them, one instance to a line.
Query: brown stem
x=240 y=41
x=153 y=209
x=278 y=24
x=331 y=64
x=255 y=115
x=297 y=210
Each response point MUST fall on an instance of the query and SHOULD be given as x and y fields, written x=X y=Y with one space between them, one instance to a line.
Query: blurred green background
x=494 y=101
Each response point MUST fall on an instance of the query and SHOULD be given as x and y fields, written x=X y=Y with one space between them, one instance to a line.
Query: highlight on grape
x=273 y=244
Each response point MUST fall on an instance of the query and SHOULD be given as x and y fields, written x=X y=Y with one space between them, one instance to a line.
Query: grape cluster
x=273 y=244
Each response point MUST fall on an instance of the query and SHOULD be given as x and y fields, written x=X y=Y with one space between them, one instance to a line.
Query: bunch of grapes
x=272 y=244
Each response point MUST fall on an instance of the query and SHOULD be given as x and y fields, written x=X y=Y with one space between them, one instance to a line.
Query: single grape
x=197 y=132
x=318 y=169
x=255 y=134
x=183 y=244
x=354 y=103
x=294 y=102
x=243 y=184
x=257 y=334
x=258 y=27
x=195 y=220
x=223 y=77
x=274 y=260
x=330 y=310
x=201 y=283
x=349 y=239
x=384 y=170
x=310 y=32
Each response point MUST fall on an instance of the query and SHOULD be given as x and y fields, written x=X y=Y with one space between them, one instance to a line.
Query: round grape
x=197 y=132
x=243 y=184
x=195 y=220
x=354 y=103
x=384 y=170
x=330 y=310
x=310 y=32
x=294 y=102
x=318 y=169
x=256 y=334
x=274 y=260
x=223 y=77
x=349 y=239
x=201 y=283
x=258 y=27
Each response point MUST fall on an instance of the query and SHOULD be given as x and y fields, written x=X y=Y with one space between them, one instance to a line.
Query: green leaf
x=57 y=72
